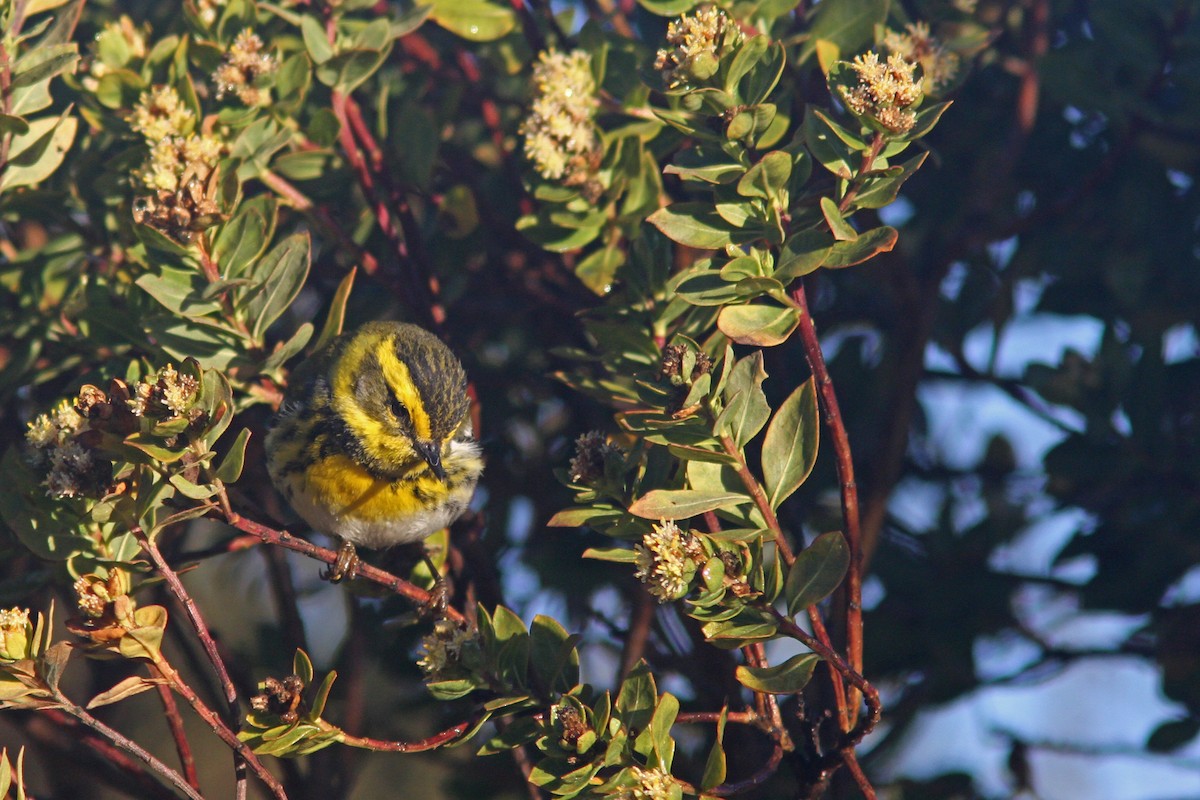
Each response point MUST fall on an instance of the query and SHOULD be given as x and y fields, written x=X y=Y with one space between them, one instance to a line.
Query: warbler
x=373 y=442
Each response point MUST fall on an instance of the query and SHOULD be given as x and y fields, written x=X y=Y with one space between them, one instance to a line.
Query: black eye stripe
x=397 y=408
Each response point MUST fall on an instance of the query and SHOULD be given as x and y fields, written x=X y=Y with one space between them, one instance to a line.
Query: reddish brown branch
x=440 y=739
x=129 y=746
x=54 y=728
x=367 y=572
x=760 y=500
x=640 y=621
x=175 y=723
x=849 y=489
x=243 y=756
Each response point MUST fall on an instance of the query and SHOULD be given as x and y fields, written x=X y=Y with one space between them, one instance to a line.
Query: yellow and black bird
x=373 y=443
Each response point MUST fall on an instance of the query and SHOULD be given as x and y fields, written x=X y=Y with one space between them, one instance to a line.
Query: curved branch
x=387 y=580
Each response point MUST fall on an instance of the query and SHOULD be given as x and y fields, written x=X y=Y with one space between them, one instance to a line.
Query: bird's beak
x=432 y=453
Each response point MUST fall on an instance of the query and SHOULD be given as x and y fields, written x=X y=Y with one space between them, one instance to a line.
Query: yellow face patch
x=399 y=380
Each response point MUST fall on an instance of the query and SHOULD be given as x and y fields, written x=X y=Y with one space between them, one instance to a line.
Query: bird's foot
x=346 y=566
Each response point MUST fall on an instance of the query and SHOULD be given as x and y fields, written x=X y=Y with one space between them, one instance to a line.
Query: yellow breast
x=346 y=490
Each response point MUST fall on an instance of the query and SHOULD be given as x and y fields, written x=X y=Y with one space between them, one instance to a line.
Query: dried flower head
x=674 y=364
x=653 y=784
x=16 y=634
x=916 y=44
x=71 y=468
x=884 y=92
x=160 y=113
x=592 y=452
x=560 y=131
x=443 y=648
x=243 y=69
x=182 y=177
x=94 y=595
x=282 y=698
x=666 y=561
x=697 y=43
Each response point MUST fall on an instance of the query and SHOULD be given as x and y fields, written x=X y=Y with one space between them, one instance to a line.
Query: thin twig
x=175 y=724
x=849 y=489
x=367 y=572
x=640 y=621
x=242 y=754
x=440 y=739
x=241 y=751
x=128 y=745
x=99 y=756
x=760 y=500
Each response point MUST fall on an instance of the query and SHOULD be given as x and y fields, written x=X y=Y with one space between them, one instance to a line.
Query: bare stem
x=365 y=571
x=760 y=500
x=242 y=752
x=175 y=723
x=129 y=746
x=849 y=489
x=439 y=739
x=224 y=730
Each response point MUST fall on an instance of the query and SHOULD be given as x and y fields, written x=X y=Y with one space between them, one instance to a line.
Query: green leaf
x=598 y=270
x=179 y=290
x=789 y=677
x=41 y=64
x=660 y=726
x=350 y=68
x=715 y=768
x=880 y=188
x=848 y=25
x=682 y=503
x=668 y=8
x=768 y=178
x=745 y=59
x=693 y=224
x=790 y=446
x=801 y=254
x=475 y=20
x=315 y=40
x=231 y=466
x=285 y=350
x=822 y=140
x=758 y=324
x=243 y=238
x=868 y=245
x=841 y=230
x=555 y=238
x=335 y=319
x=637 y=698
x=817 y=571
x=144 y=639
x=620 y=555
x=12 y=124
x=36 y=154
x=280 y=275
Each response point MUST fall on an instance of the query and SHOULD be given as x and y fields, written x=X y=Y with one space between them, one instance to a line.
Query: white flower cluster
x=939 y=65
x=697 y=43
x=666 y=561
x=244 y=65
x=560 y=131
x=884 y=91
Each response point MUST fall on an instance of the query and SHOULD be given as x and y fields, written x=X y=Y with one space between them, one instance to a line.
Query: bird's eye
x=398 y=410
